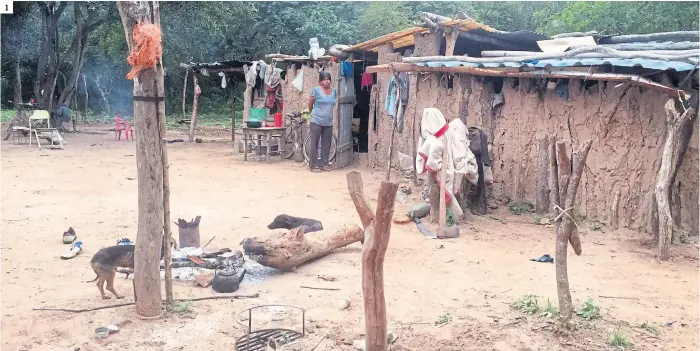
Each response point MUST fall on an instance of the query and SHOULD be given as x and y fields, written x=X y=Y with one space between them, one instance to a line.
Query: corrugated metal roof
x=572 y=62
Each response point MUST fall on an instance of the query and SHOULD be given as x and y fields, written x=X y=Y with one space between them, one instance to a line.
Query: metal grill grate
x=257 y=341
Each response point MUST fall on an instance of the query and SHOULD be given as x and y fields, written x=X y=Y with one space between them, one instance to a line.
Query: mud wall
x=627 y=126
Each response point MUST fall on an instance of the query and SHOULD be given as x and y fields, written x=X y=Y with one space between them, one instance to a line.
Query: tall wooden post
x=195 y=104
x=377 y=232
x=247 y=97
x=233 y=112
x=149 y=169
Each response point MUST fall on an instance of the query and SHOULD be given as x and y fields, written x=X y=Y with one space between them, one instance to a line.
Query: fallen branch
x=235 y=297
x=208 y=242
x=617 y=297
x=317 y=288
x=286 y=251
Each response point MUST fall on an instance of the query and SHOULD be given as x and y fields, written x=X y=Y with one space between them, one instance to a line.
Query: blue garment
x=390 y=102
x=346 y=68
x=322 y=112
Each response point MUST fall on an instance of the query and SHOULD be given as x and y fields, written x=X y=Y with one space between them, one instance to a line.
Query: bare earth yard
x=91 y=186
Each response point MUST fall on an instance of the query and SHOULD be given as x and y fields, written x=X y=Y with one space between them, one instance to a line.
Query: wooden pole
x=542 y=192
x=675 y=122
x=377 y=233
x=233 y=112
x=149 y=168
x=195 y=104
x=247 y=97
x=451 y=40
x=565 y=225
x=184 y=95
x=442 y=223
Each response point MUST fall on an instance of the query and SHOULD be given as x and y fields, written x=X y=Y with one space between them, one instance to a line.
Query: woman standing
x=321 y=104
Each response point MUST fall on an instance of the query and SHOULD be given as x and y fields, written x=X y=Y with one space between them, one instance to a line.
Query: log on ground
x=286 y=251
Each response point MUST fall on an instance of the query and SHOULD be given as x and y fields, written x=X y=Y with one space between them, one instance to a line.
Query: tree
x=381 y=18
x=149 y=167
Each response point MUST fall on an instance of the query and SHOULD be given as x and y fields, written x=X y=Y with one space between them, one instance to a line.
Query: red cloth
x=271 y=96
x=367 y=81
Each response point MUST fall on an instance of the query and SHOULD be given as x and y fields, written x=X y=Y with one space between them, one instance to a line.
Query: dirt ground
x=91 y=186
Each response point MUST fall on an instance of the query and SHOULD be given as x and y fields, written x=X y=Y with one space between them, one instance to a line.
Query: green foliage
x=444 y=319
x=211 y=31
x=450 y=218
x=619 y=339
x=180 y=307
x=380 y=18
x=590 y=310
x=520 y=208
x=550 y=311
x=6 y=115
x=652 y=328
x=527 y=304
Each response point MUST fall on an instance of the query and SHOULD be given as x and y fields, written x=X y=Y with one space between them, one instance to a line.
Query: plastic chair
x=122 y=125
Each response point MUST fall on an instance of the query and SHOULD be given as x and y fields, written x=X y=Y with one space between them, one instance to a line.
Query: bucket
x=258 y=114
x=278 y=120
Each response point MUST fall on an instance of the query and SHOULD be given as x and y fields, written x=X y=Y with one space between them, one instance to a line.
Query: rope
x=147 y=49
x=564 y=212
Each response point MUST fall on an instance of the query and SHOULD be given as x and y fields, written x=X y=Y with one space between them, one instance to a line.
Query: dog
x=106 y=261
x=290 y=222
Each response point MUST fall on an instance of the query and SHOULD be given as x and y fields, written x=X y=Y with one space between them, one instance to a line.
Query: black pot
x=226 y=280
x=253 y=124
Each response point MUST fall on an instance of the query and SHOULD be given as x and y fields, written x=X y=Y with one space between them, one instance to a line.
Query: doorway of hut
x=360 y=116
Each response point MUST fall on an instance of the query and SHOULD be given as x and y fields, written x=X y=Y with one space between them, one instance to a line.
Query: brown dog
x=105 y=263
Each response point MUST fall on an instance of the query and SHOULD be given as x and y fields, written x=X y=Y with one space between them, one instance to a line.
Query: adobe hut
x=612 y=89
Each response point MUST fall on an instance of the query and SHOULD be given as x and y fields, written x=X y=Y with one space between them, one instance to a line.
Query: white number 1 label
x=5 y=6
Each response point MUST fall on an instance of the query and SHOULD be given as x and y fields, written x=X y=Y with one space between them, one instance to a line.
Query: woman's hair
x=323 y=75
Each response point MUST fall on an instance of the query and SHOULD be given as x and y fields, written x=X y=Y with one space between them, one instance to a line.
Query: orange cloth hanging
x=147 y=49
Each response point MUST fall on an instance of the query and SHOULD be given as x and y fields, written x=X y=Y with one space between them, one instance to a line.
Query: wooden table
x=256 y=134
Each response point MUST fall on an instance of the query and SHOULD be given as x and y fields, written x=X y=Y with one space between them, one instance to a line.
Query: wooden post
x=247 y=97
x=564 y=171
x=451 y=40
x=195 y=104
x=149 y=168
x=167 y=234
x=553 y=176
x=442 y=223
x=565 y=225
x=542 y=193
x=184 y=95
x=377 y=228
x=613 y=222
x=233 y=112
x=675 y=122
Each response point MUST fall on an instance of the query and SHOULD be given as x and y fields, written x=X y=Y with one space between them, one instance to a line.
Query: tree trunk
x=149 y=168
x=675 y=123
x=184 y=95
x=286 y=251
x=542 y=193
x=18 y=84
x=565 y=226
x=87 y=96
x=195 y=104
x=47 y=67
x=189 y=232
x=377 y=230
x=233 y=112
x=614 y=209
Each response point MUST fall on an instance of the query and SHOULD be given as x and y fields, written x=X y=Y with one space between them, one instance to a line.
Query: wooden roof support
x=633 y=79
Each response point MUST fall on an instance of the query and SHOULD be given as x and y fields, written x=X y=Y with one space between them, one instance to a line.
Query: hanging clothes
x=367 y=81
x=271 y=96
x=390 y=102
x=298 y=82
x=252 y=75
x=436 y=137
x=346 y=69
x=272 y=77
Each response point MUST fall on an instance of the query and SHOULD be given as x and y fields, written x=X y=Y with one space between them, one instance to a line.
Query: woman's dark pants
x=323 y=135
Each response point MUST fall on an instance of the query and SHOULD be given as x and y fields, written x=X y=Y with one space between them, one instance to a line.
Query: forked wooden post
x=377 y=228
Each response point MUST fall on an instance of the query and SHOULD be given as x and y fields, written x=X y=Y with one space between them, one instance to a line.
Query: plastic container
x=258 y=114
x=278 y=120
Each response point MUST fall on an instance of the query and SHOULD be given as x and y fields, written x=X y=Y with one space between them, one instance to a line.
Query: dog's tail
x=94 y=280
